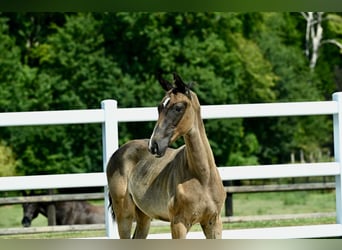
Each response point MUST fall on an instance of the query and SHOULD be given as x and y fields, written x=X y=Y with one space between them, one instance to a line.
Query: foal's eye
x=179 y=107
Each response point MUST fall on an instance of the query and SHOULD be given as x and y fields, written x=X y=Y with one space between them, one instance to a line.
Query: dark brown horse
x=147 y=179
x=67 y=212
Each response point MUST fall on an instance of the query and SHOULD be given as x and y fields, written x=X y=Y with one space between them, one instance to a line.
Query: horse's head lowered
x=31 y=211
x=177 y=112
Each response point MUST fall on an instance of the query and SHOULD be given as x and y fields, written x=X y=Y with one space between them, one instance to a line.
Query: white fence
x=109 y=116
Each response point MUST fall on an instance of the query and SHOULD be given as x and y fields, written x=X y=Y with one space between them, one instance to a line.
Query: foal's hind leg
x=123 y=208
x=143 y=224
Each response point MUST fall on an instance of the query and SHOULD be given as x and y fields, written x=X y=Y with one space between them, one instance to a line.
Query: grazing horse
x=147 y=179
x=67 y=212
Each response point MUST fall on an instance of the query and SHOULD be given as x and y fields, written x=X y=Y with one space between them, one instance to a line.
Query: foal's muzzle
x=157 y=146
x=154 y=149
x=26 y=222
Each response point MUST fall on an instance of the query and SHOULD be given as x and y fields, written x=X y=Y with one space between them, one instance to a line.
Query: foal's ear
x=181 y=86
x=164 y=83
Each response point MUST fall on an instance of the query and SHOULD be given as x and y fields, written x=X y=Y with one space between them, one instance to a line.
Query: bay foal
x=147 y=179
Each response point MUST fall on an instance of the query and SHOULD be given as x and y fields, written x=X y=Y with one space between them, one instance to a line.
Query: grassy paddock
x=166 y=229
x=244 y=205
x=283 y=202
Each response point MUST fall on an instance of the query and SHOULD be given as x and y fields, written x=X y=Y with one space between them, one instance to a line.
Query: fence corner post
x=338 y=153
x=110 y=142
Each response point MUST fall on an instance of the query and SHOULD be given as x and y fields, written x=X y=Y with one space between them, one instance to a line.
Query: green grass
x=244 y=204
x=283 y=203
x=57 y=235
x=166 y=229
x=11 y=216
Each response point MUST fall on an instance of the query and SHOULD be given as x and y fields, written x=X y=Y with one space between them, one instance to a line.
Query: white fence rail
x=109 y=116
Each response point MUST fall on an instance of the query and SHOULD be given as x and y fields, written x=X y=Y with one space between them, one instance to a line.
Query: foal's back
x=79 y=212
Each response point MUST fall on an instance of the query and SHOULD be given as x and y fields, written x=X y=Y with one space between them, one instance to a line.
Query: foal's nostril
x=154 y=148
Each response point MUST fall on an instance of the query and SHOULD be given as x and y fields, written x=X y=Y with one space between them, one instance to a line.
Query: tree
x=314 y=37
x=68 y=70
x=12 y=73
x=205 y=48
x=279 y=39
x=54 y=61
x=7 y=161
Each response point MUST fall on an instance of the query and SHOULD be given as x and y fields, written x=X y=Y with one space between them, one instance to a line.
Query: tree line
x=62 y=61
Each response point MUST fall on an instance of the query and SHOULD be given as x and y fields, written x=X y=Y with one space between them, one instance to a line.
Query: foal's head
x=177 y=112
x=31 y=211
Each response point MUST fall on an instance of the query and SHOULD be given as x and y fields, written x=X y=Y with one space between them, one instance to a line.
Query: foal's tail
x=111 y=207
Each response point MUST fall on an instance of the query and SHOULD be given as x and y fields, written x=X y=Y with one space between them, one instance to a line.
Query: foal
x=147 y=179
x=67 y=212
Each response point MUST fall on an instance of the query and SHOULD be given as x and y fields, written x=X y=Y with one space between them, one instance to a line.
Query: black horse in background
x=67 y=212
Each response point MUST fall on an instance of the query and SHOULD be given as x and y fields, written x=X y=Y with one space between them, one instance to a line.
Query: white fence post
x=110 y=142
x=338 y=154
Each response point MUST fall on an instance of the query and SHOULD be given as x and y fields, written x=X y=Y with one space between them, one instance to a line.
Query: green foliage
x=281 y=136
x=257 y=78
x=246 y=153
x=61 y=61
x=335 y=27
x=7 y=161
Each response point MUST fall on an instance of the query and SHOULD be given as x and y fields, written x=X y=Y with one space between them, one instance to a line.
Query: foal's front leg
x=212 y=227
x=179 y=229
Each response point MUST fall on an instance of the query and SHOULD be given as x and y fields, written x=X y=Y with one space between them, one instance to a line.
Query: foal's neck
x=43 y=209
x=199 y=154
